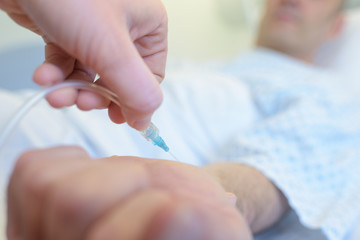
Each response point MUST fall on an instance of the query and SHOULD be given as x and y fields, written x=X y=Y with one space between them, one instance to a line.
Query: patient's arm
x=258 y=199
x=62 y=193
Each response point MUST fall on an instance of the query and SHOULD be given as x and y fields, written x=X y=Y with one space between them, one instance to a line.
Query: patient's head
x=299 y=27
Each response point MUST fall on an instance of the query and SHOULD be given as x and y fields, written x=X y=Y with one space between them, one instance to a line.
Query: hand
x=61 y=193
x=124 y=41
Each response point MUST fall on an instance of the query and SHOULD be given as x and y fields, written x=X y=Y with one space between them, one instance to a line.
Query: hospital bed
x=341 y=54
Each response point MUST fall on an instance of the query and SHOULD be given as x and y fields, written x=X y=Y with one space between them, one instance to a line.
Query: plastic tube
x=150 y=134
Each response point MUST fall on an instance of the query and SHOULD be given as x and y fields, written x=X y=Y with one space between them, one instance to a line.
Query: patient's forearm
x=258 y=199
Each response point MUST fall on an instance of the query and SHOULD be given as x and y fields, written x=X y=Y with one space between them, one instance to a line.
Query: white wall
x=12 y=35
x=198 y=29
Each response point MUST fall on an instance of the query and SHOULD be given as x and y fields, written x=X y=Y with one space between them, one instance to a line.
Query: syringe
x=152 y=134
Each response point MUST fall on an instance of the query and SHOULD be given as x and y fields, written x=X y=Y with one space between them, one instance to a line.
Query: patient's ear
x=337 y=27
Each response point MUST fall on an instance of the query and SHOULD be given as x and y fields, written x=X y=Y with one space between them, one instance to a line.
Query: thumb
x=125 y=73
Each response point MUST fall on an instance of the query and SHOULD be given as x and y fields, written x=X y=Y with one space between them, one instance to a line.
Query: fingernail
x=142 y=124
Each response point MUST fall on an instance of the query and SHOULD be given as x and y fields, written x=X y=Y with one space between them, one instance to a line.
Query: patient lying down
x=283 y=142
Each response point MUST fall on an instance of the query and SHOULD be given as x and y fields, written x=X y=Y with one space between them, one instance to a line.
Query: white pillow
x=342 y=54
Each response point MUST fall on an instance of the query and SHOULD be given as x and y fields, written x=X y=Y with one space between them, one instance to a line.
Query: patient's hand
x=61 y=193
x=124 y=41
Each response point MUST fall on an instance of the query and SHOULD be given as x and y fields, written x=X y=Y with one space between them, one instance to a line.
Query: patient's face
x=298 y=27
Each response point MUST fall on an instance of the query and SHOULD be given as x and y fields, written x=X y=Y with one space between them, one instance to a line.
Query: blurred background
x=198 y=30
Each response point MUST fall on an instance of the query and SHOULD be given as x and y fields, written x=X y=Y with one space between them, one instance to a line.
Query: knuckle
x=35 y=185
x=25 y=167
x=24 y=161
x=68 y=205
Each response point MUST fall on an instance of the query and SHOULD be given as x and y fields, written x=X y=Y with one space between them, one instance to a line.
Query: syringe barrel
x=152 y=134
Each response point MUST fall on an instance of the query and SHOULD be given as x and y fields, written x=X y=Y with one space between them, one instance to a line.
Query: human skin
x=258 y=199
x=62 y=193
x=124 y=41
x=298 y=27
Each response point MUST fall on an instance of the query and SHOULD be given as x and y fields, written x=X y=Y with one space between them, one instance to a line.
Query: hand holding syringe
x=125 y=42
x=151 y=133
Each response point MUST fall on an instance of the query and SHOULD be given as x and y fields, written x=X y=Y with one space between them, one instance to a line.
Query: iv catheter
x=151 y=133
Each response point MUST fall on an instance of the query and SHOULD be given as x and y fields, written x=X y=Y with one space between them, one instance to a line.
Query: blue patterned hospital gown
x=307 y=138
x=297 y=124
